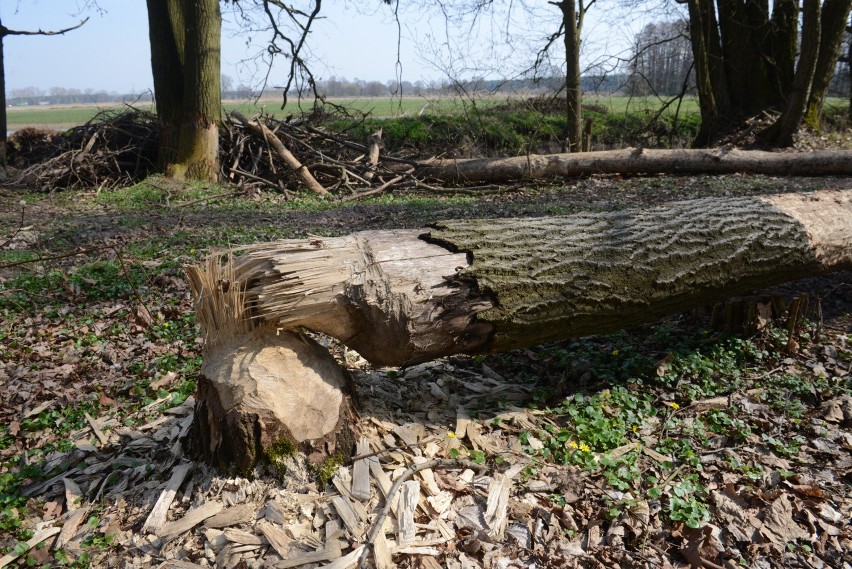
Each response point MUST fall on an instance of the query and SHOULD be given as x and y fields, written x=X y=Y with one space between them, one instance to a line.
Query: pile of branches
x=115 y=148
x=250 y=156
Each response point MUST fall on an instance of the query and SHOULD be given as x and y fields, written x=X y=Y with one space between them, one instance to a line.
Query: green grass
x=77 y=115
x=377 y=107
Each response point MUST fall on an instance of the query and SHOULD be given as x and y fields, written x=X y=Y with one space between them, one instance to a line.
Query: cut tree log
x=641 y=161
x=408 y=296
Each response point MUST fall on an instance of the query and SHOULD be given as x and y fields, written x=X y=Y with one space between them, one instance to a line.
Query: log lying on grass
x=641 y=161
x=402 y=297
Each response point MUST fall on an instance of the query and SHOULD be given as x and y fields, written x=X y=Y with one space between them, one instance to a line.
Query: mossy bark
x=185 y=60
x=835 y=16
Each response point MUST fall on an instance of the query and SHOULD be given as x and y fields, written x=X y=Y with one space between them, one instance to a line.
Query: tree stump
x=269 y=389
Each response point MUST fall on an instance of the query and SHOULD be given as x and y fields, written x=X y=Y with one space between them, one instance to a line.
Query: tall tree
x=4 y=31
x=781 y=132
x=747 y=59
x=835 y=14
x=185 y=40
x=661 y=61
x=573 y=12
x=568 y=36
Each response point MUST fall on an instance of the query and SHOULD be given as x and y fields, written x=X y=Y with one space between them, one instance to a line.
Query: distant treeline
x=333 y=87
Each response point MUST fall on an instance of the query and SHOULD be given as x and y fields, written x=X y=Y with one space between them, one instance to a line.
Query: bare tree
x=661 y=60
x=746 y=60
x=4 y=31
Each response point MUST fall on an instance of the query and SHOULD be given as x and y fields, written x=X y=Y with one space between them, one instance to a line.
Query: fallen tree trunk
x=641 y=161
x=402 y=297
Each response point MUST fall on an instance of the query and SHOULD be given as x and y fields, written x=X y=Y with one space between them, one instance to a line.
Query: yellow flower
x=614 y=352
x=635 y=429
x=605 y=393
x=165 y=325
x=451 y=435
x=573 y=444
x=673 y=405
x=584 y=447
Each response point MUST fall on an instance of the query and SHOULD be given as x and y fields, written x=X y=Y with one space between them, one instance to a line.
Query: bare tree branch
x=4 y=31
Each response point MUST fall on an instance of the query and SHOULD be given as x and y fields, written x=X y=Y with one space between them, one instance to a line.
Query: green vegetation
x=493 y=125
x=637 y=401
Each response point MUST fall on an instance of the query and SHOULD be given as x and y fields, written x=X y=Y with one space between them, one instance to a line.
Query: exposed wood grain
x=32 y=542
x=346 y=511
x=382 y=555
x=239 y=514
x=243 y=537
x=330 y=552
x=361 y=471
x=277 y=537
x=69 y=528
x=190 y=520
x=161 y=507
x=408 y=500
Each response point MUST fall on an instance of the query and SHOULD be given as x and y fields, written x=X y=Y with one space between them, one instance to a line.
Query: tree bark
x=756 y=50
x=408 y=296
x=781 y=132
x=710 y=79
x=835 y=15
x=167 y=39
x=572 y=22
x=4 y=139
x=185 y=61
x=641 y=161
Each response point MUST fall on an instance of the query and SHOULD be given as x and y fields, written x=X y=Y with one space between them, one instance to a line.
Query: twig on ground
x=40 y=259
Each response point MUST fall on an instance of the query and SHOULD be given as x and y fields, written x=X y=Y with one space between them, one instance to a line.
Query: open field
x=61 y=117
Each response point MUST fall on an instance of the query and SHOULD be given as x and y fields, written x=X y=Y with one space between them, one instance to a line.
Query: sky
x=111 y=51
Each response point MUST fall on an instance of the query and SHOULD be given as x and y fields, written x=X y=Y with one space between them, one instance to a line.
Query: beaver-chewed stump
x=475 y=286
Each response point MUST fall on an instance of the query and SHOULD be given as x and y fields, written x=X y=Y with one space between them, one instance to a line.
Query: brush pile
x=113 y=149
x=120 y=148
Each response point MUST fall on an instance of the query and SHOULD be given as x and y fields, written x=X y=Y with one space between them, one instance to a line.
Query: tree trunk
x=641 y=161
x=709 y=74
x=166 y=35
x=835 y=14
x=3 y=124
x=185 y=60
x=781 y=132
x=408 y=296
x=572 y=21
x=744 y=59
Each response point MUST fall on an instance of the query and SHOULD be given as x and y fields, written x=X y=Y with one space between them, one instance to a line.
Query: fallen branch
x=283 y=153
x=641 y=161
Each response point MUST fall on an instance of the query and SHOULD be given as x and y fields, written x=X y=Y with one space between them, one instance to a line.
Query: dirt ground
x=517 y=508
